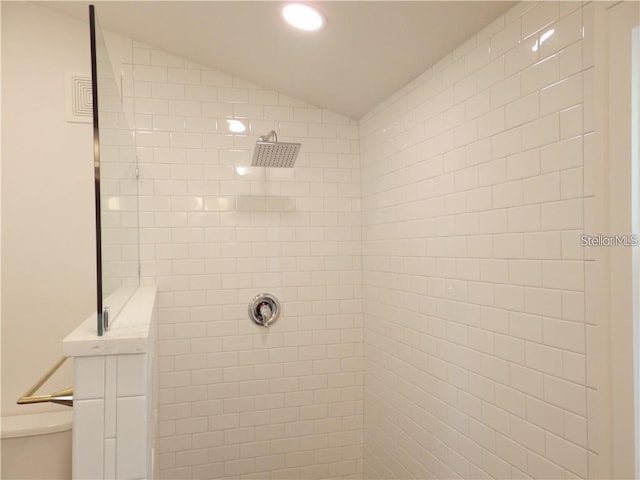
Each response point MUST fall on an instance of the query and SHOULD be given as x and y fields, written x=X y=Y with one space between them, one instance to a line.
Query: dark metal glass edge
x=96 y=166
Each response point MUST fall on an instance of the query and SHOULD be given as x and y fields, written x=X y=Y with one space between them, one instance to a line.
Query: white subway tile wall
x=449 y=217
x=119 y=192
x=473 y=277
x=238 y=400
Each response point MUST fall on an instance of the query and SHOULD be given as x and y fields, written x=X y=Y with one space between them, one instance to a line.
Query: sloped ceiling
x=368 y=50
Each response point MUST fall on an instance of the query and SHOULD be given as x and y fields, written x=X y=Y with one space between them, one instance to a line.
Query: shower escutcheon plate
x=264 y=309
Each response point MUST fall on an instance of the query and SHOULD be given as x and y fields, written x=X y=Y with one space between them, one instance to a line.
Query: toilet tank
x=36 y=445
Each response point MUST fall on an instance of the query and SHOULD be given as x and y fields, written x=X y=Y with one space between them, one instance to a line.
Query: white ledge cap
x=130 y=332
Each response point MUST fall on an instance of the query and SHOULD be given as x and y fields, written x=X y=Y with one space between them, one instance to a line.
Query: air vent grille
x=79 y=98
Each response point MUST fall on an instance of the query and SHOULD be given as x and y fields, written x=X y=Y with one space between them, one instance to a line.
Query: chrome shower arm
x=271 y=137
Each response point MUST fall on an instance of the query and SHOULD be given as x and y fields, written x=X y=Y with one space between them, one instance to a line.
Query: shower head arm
x=272 y=136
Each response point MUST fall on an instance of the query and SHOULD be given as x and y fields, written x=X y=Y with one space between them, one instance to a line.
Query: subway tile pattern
x=237 y=400
x=454 y=209
x=114 y=417
x=118 y=186
x=473 y=276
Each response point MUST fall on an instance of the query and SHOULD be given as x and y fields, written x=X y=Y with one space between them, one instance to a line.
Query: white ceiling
x=368 y=50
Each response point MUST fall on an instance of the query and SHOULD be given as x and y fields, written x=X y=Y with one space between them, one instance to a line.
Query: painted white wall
x=615 y=212
x=47 y=197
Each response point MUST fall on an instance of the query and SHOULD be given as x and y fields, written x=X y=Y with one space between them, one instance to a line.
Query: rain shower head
x=271 y=153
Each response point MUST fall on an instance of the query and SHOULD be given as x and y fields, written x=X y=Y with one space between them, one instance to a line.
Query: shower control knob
x=264 y=309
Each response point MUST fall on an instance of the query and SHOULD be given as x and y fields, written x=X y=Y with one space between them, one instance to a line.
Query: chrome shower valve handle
x=264 y=309
x=266 y=314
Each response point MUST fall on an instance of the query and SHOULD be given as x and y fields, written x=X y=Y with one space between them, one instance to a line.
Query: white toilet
x=36 y=445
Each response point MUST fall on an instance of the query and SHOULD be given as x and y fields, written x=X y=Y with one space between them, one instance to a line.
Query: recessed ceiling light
x=303 y=16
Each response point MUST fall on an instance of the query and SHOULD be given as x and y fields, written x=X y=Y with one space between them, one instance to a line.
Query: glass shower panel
x=116 y=187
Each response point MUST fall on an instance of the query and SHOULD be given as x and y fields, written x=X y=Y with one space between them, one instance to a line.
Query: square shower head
x=275 y=154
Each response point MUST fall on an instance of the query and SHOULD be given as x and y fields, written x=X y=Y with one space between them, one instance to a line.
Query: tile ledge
x=129 y=333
